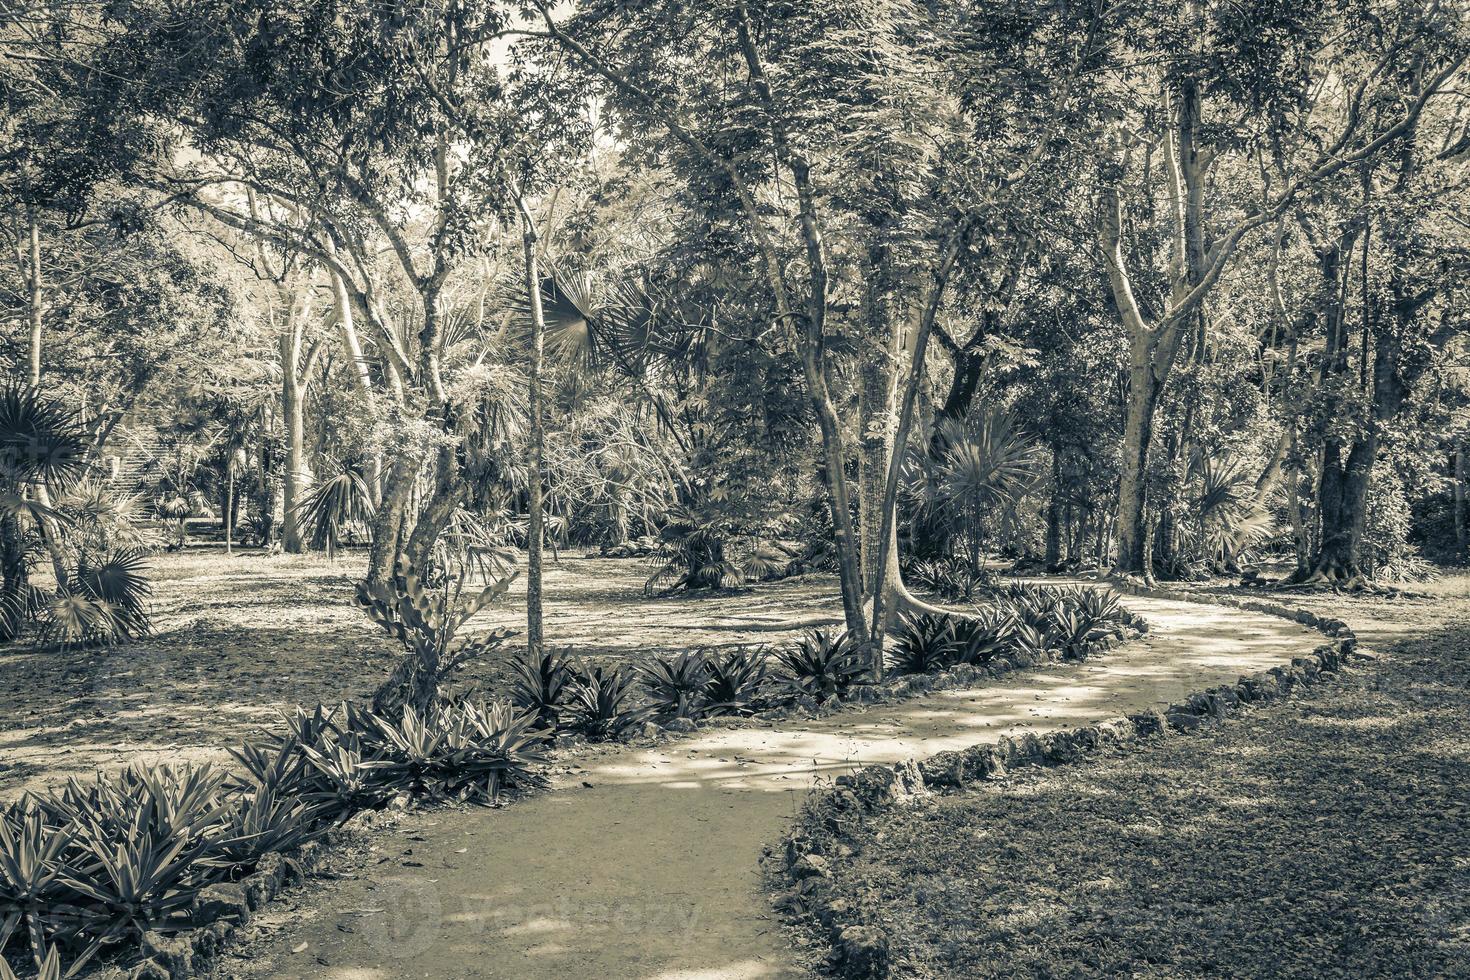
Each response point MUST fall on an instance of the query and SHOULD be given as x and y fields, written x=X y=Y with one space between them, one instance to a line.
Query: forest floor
x=1324 y=836
x=643 y=862
x=238 y=639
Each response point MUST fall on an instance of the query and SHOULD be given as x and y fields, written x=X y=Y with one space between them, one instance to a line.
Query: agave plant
x=677 y=685
x=951 y=578
x=541 y=683
x=601 y=702
x=923 y=643
x=1100 y=605
x=982 y=635
x=262 y=823
x=31 y=850
x=1030 y=641
x=735 y=681
x=823 y=665
x=1074 y=632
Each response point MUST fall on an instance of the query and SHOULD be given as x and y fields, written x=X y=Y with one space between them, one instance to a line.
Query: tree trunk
x=1053 y=556
x=230 y=508
x=536 y=521
x=388 y=522
x=293 y=419
x=1459 y=494
x=348 y=324
x=14 y=581
x=1138 y=426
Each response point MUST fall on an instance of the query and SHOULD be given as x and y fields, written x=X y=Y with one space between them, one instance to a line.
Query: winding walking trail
x=644 y=865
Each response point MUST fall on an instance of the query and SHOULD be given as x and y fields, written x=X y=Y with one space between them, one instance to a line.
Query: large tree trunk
x=388 y=522
x=1138 y=431
x=436 y=512
x=882 y=352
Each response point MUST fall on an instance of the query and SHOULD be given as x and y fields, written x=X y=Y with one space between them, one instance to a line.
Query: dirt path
x=643 y=865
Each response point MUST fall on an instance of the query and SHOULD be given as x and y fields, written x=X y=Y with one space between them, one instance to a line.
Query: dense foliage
x=1172 y=289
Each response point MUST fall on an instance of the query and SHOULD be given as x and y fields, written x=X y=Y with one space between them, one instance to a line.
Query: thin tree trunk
x=35 y=301
x=535 y=524
x=230 y=508
x=1459 y=495
x=348 y=325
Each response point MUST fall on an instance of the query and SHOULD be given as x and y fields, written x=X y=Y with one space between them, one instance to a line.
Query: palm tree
x=983 y=471
x=42 y=445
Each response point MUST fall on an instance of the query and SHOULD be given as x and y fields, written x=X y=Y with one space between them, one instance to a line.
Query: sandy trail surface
x=643 y=864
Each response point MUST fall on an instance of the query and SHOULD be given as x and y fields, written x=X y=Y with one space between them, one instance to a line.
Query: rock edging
x=823 y=831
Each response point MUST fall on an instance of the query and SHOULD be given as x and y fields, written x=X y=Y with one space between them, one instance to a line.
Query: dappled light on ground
x=240 y=639
x=644 y=862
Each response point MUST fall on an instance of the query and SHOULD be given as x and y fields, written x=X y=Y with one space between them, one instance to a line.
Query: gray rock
x=221 y=901
x=175 y=954
x=944 y=769
x=1029 y=749
x=1184 y=721
x=1147 y=723
x=863 y=953
x=149 y=970
x=811 y=866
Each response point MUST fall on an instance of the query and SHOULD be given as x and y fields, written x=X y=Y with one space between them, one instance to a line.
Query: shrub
x=952 y=578
x=924 y=643
x=735 y=682
x=1030 y=641
x=601 y=701
x=426 y=620
x=980 y=637
x=822 y=665
x=677 y=685
x=541 y=683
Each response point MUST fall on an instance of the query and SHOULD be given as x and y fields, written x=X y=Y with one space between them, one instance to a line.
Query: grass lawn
x=240 y=638
x=1327 y=836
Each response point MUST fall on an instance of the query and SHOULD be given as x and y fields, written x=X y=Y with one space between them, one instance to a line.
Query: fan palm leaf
x=40 y=440
x=334 y=505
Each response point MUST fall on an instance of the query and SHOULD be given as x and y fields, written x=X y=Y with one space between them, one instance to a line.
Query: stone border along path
x=645 y=864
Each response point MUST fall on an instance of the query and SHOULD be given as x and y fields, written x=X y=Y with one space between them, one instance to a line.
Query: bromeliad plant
x=541 y=683
x=823 y=665
x=735 y=682
x=601 y=704
x=677 y=686
x=426 y=620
